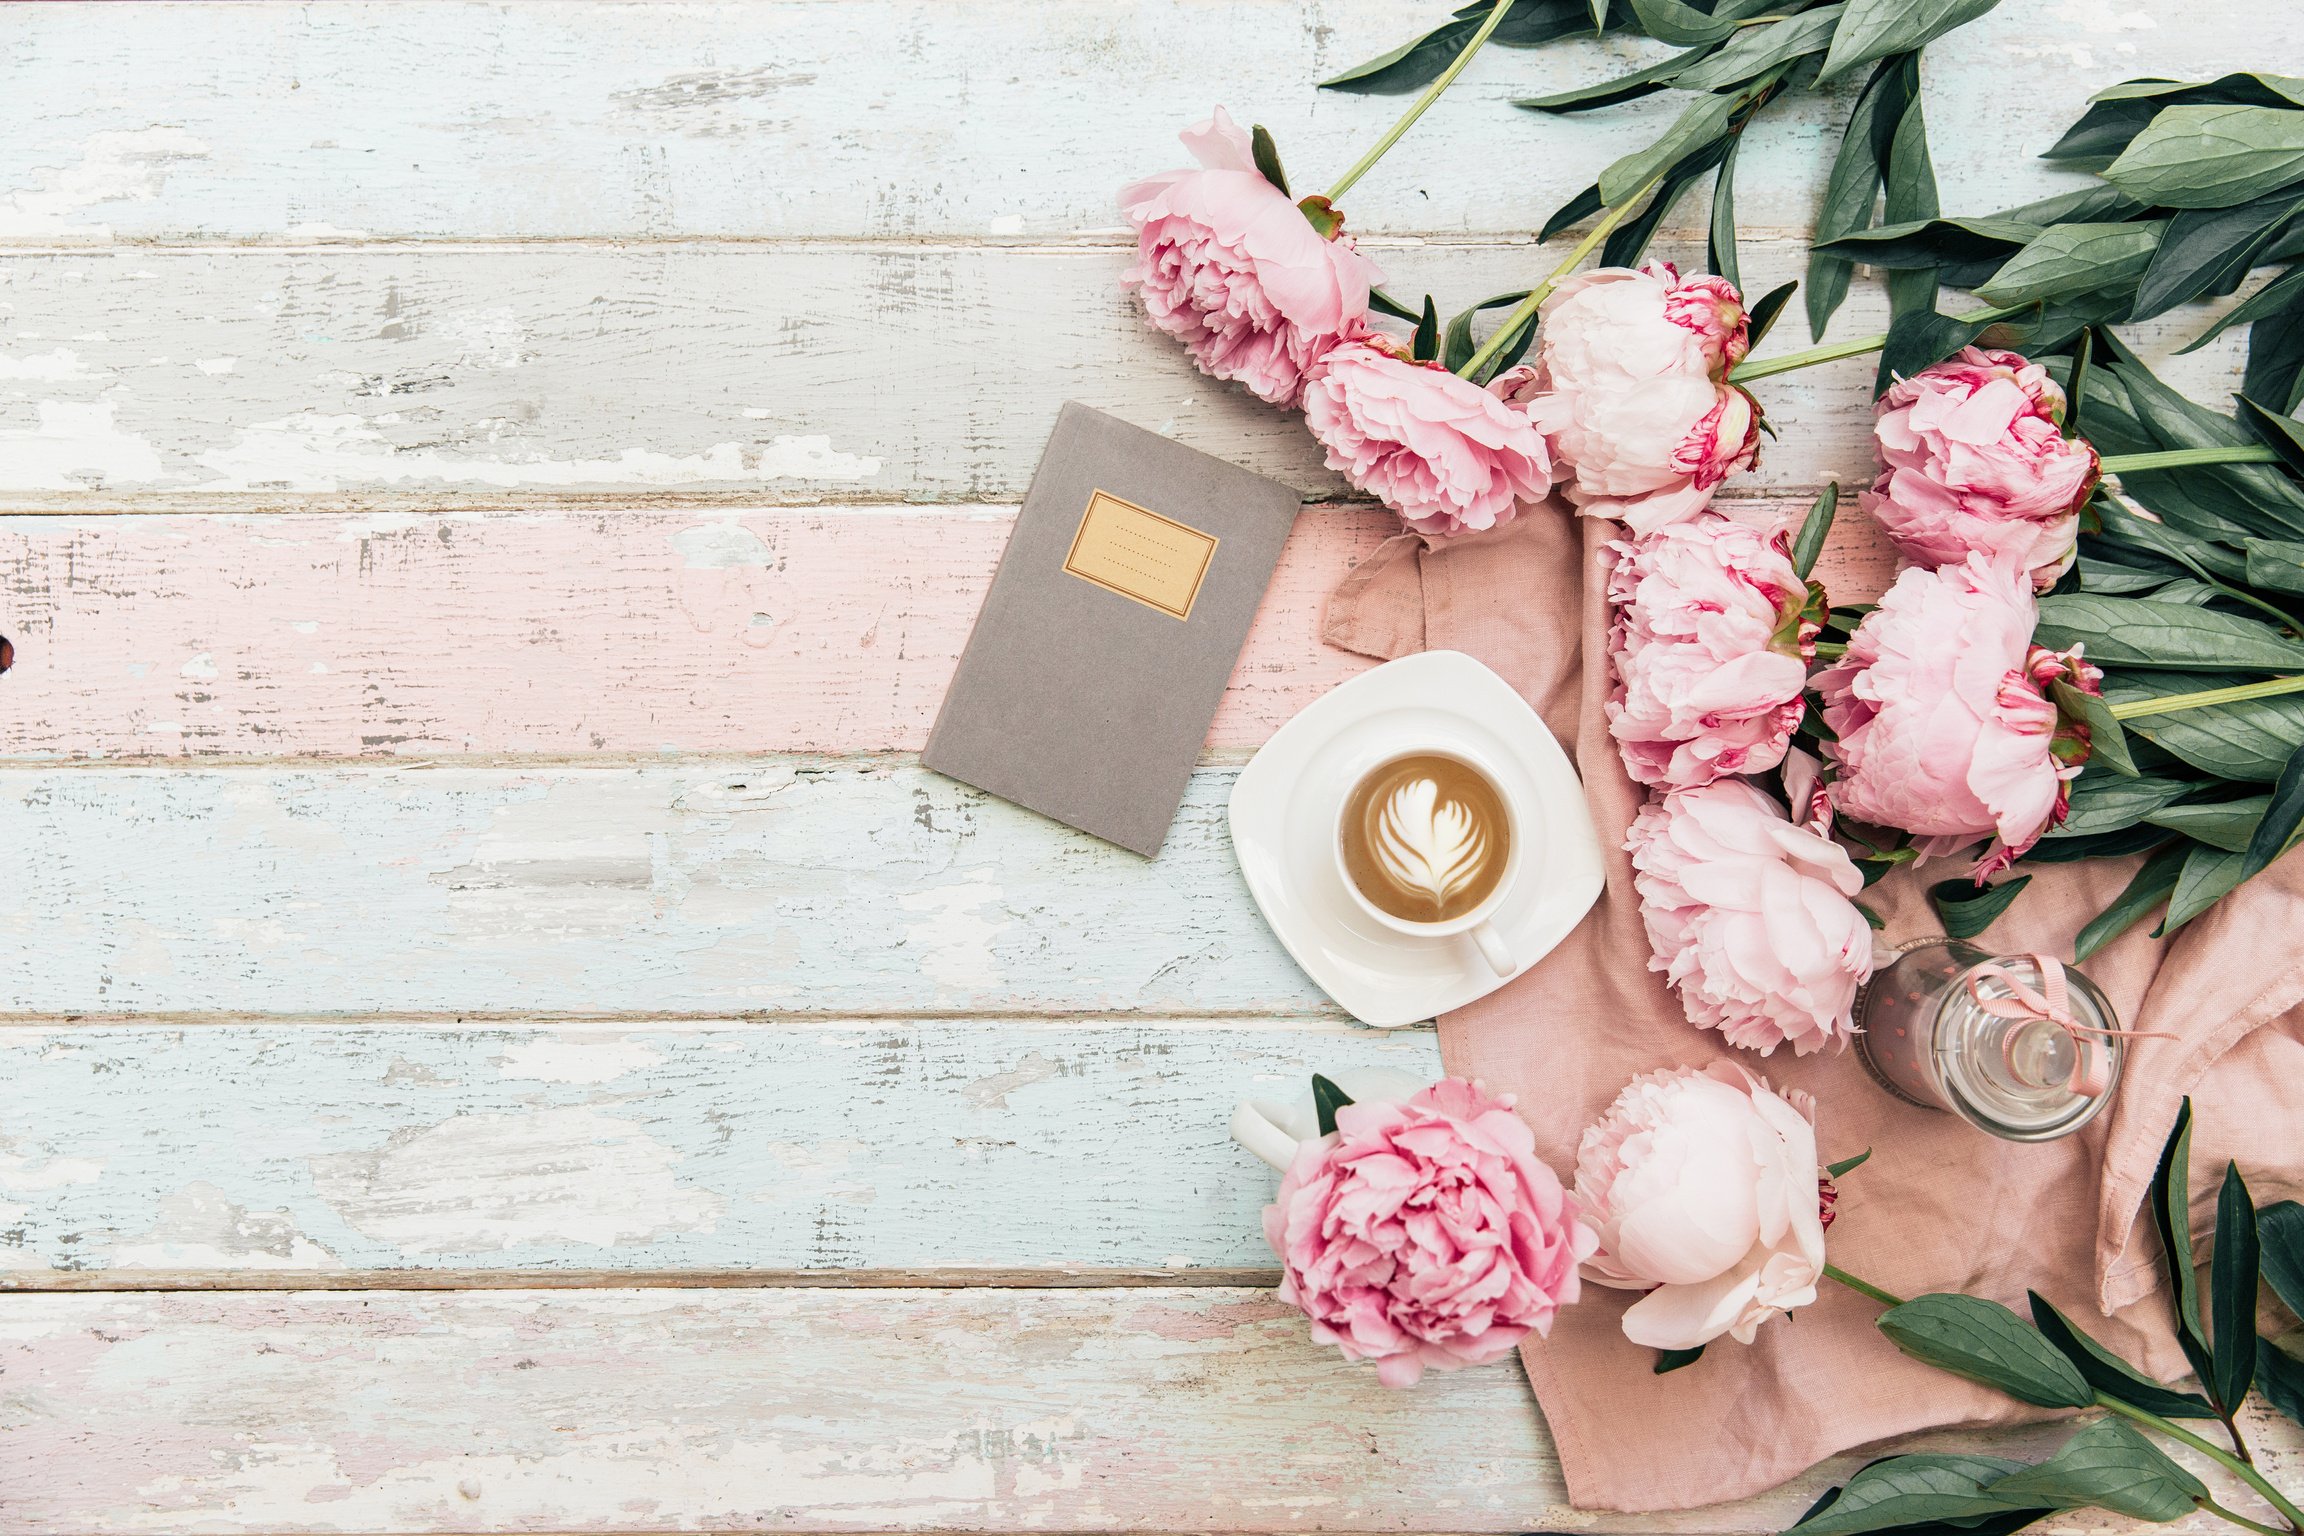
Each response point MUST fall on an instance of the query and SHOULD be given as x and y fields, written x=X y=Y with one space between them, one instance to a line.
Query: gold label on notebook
x=1156 y=560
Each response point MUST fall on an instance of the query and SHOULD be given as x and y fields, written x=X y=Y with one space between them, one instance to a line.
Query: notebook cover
x=1111 y=627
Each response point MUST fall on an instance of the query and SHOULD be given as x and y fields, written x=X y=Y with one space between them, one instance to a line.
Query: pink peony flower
x=1710 y=649
x=1971 y=460
x=1629 y=388
x=1426 y=1233
x=1942 y=712
x=1447 y=455
x=1704 y=1187
x=1233 y=269
x=1751 y=919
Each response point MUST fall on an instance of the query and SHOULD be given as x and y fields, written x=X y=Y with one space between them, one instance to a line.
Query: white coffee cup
x=1476 y=923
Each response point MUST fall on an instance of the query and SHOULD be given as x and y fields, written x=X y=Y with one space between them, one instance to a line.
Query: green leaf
x=1267 y=157
x=2280 y=432
x=1607 y=93
x=1411 y=66
x=2172 y=1215
x=1761 y=317
x=1910 y=1490
x=2101 y=845
x=1874 y=29
x=2095 y=204
x=2225 y=824
x=2280 y=1379
x=1704 y=121
x=2269 y=299
x=2146 y=890
x=2282 y=816
x=2075 y=258
x=2209 y=250
x=1984 y=1341
x=1908 y=191
x=2142 y=632
x=1631 y=238
x=1424 y=346
x=2211 y=156
x=2107 y=1465
x=2277 y=564
x=2107 y=741
x=1848 y=1164
x=2250 y=741
x=1670 y=1360
x=2253 y=495
x=1384 y=304
x=1572 y=212
x=2110 y=1374
x=2119 y=112
x=1457 y=346
x=1935 y=242
x=1327 y=1098
x=2280 y=1231
x=1680 y=24
x=1720 y=250
x=2232 y=1280
x=1922 y=339
x=1751 y=50
x=1814 y=529
x=2276 y=357
x=1967 y=909
x=2107 y=802
x=2208 y=876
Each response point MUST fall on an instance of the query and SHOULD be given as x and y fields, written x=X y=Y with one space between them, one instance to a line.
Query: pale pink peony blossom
x=1426 y=1233
x=1704 y=1187
x=1628 y=387
x=1751 y=919
x=1710 y=649
x=1230 y=267
x=1447 y=455
x=1971 y=460
x=1941 y=710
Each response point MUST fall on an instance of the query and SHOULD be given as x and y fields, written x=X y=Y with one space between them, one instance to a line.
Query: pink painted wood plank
x=342 y=635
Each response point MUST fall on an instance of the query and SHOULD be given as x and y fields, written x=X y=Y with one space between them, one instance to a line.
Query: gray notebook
x=1112 y=624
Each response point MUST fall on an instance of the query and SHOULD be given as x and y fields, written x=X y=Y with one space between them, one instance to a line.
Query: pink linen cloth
x=1940 y=1206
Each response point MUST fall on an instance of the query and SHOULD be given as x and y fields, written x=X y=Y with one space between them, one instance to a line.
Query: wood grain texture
x=910 y=118
x=1199 y=1410
x=301 y=1150
x=632 y=631
x=771 y=374
x=773 y=886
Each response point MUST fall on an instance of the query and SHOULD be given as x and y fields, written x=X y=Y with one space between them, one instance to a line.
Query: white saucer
x=1284 y=811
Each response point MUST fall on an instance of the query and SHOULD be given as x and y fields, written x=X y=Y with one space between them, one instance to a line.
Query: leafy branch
x=2049 y=1362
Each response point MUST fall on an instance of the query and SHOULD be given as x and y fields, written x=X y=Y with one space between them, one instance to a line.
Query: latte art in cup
x=1425 y=838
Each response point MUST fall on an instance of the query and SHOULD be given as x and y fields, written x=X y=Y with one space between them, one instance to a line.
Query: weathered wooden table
x=502 y=1033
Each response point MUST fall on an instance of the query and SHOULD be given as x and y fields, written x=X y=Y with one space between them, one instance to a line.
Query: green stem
x=1862 y=1287
x=1761 y=368
x=2240 y=1520
x=2184 y=458
x=2207 y=698
x=1362 y=166
x=2215 y=1453
x=1830 y=650
x=1527 y=307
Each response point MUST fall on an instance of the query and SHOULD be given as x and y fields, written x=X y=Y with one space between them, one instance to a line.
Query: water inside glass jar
x=2015 y=1076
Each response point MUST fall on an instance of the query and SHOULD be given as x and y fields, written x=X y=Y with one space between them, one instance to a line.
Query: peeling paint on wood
x=979 y=1410
x=314 y=1147
x=787 y=373
x=909 y=118
x=625 y=632
x=772 y=885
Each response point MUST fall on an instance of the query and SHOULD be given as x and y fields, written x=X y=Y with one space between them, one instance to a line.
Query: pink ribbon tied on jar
x=2052 y=1003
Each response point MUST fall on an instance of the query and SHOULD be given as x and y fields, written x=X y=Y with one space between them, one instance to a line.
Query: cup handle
x=1253 y=1128
x=1492 y=949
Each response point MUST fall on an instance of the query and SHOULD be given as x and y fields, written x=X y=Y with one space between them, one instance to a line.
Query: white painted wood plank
x=909 y=118
x=1195 y=1409
x=326 y=1149
x=771 y=373
x=774 y=885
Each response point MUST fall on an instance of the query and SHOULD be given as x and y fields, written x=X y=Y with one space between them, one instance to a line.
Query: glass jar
x=1926 y=1034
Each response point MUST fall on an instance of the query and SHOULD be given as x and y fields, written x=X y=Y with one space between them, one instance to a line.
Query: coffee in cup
x=1427 y=843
